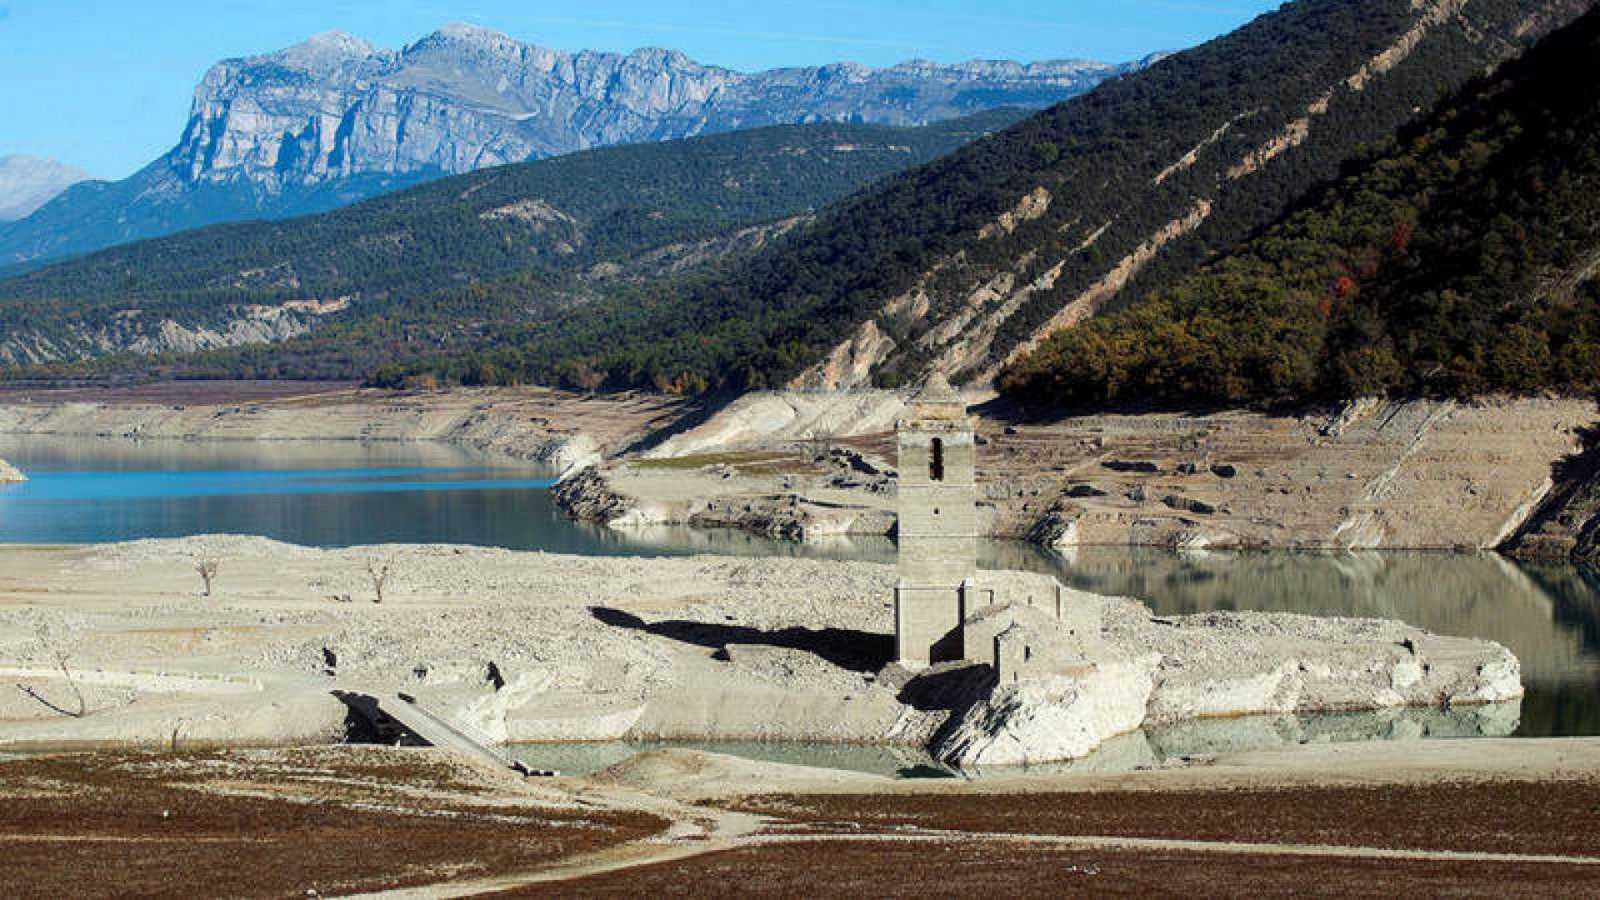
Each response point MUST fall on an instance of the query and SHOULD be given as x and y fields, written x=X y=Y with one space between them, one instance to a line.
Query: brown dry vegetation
x=974 y=869
x=287 y=822
x=745 y=463
x=273 y=825
x=1523 y=817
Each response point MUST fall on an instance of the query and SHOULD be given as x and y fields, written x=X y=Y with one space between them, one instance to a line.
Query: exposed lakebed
x=348 y=493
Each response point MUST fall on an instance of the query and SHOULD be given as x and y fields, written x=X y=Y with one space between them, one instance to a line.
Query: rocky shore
x=1512 y=474
x=564 y=430
x=114 y=644
x=10 y=473
x=1493 y=474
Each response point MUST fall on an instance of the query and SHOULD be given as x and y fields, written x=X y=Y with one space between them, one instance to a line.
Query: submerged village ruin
x=977 y=667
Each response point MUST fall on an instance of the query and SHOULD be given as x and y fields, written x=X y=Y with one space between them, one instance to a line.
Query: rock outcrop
x=1566 y=524
x=1152 y=672
x=10 y=473
x=1375 y=474
x=464 y=98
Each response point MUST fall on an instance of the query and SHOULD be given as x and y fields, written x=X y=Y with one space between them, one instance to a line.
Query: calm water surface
x=348 y=493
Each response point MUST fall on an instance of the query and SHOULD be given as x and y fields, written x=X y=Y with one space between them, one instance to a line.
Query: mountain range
x=28 y=182
x=967 y=263
x=335 y=119
x=570 y=226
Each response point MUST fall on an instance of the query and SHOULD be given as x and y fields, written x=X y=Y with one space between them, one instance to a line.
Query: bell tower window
x=936 y=460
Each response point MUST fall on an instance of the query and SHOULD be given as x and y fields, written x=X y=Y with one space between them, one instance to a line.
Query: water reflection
x=1143 y=749
x=343 y=493
x=1549 y=616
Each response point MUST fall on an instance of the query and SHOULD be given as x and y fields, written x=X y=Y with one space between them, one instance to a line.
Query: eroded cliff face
x=1566 y=523
x=334 y=120
x=135 y=332
x=464 y=98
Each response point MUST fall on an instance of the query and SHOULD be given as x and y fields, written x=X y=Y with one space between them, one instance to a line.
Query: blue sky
x=105 y=84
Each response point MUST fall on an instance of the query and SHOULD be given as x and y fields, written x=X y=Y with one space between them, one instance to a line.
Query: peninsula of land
x=116 y=645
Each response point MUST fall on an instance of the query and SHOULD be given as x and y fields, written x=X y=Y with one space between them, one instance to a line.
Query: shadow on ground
x=858 y=651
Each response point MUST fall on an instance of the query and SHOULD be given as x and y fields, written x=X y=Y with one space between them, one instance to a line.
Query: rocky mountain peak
x=461 y=37
x=320 y=54
x=334 y=119
x=661 y=56
x=469 y=33
x=465 y=97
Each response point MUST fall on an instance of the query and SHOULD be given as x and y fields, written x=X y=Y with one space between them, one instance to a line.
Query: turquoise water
x=334 y=495
x=349 y=493
x=322 y=493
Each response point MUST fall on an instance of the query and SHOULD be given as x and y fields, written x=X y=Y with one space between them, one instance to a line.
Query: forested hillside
x=967 y=261
x=961 y=265
x=1462 y=261
x=561 y=215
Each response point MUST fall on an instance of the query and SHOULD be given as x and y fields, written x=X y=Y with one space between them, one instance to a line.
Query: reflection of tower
x=938 y=528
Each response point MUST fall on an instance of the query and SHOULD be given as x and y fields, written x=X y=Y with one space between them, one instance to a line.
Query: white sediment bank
x=538 y=647
x=10 y=473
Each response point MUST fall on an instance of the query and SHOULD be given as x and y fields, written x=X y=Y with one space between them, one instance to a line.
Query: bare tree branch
x=62 y=655
x=379 y=573
x=208 y=572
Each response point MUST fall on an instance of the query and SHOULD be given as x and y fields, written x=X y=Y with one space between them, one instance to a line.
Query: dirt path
x=700 y=833
x=1514 y=807
x=681 y=847
x=421 y=824
x=1115 y=842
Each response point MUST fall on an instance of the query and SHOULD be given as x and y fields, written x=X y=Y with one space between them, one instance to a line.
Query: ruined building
x=942 y=612
x=938 y=529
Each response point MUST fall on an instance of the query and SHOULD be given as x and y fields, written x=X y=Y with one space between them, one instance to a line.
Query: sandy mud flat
x=115 y=643
x=1370 y=475
x=1499 y=472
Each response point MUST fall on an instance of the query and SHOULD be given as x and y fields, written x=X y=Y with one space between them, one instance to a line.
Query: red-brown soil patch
x=1554 y=818
x=273 y=824
x=885 y=868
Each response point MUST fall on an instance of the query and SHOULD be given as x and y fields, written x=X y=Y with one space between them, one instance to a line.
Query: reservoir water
x=348 y=493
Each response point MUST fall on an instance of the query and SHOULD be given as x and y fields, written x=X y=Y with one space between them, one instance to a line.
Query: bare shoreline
x=533 y=646
x=1419 y=475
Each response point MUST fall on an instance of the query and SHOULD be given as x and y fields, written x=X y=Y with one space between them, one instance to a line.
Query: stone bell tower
x=938 y=530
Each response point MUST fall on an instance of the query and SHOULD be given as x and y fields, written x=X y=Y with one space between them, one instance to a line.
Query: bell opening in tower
x=936 y=461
